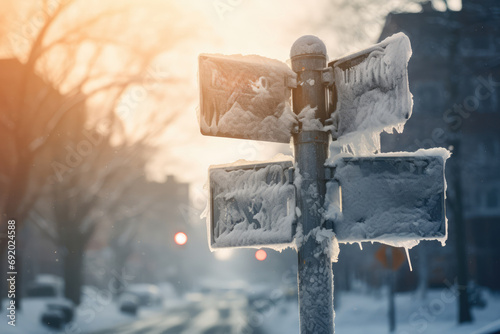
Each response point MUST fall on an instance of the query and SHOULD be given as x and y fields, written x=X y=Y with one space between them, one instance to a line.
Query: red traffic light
x=180 y=238
x=261 y=255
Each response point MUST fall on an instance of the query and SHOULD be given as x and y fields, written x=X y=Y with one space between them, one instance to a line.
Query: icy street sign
x=316 y=202
x=371 y=88
x=252 y=205
x=246 y=97
x=389 y=197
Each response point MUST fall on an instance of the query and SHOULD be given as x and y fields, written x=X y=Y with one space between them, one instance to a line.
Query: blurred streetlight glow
x=261 y=255
x=223 y=254
x=180 y=238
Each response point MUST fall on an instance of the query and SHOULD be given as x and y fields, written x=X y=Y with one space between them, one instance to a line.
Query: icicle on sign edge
x=246 y=97
x=391 y=102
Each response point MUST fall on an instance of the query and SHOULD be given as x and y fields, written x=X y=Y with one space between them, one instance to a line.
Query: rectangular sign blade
x=390 y=198
x=371 y=89
x=246 y=97
x=251 y=205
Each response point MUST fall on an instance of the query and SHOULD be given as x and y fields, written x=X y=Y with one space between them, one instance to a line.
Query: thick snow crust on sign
x=252 y=206
x=396 y=199
x=246 y=97
x=372 y=94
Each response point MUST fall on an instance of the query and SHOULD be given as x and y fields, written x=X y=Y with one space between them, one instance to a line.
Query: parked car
x=129 y=305
x=146 y=294
x=45 y=286
x=53 y=319
x=57 y=313
x=65 y=306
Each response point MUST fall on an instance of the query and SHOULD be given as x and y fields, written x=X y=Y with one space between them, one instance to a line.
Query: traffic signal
x=180 y=238
x=261 y=255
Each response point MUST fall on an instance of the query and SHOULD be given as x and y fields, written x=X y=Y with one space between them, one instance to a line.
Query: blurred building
x=144 y=242
x=156 y=256
x=454 y=76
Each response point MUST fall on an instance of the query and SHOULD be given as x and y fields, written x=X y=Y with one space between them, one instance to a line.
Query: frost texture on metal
x=246 y=97
x=251 y=205
x=314 y=295
x=390 y=198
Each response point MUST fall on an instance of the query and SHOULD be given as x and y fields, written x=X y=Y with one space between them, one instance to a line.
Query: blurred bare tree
x=83 y=55
x=91 y=193
x=83 y=111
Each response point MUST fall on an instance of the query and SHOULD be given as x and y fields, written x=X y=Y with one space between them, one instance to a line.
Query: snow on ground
x=356 y=313
x=27 y=320
x=94 y=314
x=361 y=313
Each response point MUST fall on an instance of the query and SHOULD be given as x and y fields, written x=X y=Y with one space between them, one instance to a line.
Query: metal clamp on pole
x=315 y=278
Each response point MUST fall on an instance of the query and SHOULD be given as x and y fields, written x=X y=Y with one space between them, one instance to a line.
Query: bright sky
x=248 y=27
x=256 y=26
x=263 y=27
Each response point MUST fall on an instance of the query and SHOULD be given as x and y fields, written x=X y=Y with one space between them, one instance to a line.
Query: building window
x=477 y=45
x=481 y=42
x=496 y=100
x=479 y=202
x=478 y=97
x=492 y=199
x=468 y=198
x=427 y=97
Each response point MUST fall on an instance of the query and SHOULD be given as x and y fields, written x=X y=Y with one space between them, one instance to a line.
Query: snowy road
x=358 y=312
x=207 y=315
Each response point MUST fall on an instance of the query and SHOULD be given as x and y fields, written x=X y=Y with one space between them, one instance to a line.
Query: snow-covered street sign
x=246 y=97
x=371 y=89
x=252 y=205
x=311 y=204
x=389 y=198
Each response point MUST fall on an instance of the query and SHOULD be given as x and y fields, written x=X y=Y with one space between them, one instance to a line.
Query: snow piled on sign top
x=372 y=95
x=251 y=205
x=394 y=198
x=246 y=97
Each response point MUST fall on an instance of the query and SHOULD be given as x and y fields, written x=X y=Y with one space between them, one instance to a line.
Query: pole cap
x=308 y=45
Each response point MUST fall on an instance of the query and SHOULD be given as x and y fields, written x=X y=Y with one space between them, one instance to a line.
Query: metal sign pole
x=315 y=278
